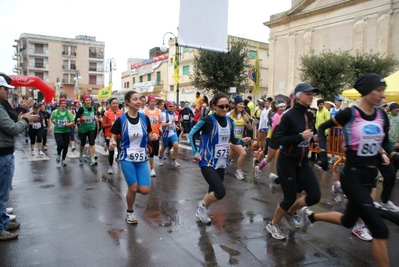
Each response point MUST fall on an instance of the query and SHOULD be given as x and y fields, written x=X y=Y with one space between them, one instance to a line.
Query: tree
x=217 y=72
x=326 y=71
x=333 y=72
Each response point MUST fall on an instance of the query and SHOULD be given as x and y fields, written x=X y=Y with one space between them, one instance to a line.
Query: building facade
x=72 y=66
x=156 y=75
x=353 y=25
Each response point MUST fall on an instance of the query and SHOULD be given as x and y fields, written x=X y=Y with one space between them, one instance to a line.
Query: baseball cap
x=338 y=98
x=393 y=106
x=369 y=82
x=4 y=83
x=305 y=87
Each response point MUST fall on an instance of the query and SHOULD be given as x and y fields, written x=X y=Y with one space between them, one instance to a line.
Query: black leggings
x=155 y=148
x=62 y=140
x=91 y=135
x=35 y=135
x=112 y=153
x=215 y=180
x=357 y=183
x=45 y=136
x=294 y=178
x=389 y=174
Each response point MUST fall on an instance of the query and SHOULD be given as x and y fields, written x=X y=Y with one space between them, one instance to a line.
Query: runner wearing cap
x=63 y=120
x=36 y=132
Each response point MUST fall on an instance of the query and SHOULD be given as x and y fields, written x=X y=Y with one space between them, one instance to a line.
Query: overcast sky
x=128 y=28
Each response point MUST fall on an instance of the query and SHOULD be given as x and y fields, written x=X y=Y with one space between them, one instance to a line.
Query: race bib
x=36 y=125
x=153 y=120
x=222 y=150
x=135 y=154
x=89 y=119
x=186 y=117
x=61 y=123
x=370 y=140
x=238 y=132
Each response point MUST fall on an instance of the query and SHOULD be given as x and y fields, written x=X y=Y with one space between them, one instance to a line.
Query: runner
x=364 y=128
x=46 y=117
x=134 y=128
x=87 y=117
x=241 y=121
x=213 y=152
x=71 y=108
x=36 y=131
x=169 y=119
x=63 y=121
x=293 y=134
x=155 y=118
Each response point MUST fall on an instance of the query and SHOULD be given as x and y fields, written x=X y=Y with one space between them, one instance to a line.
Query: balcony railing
x=39 y=65
x=68 y=81
x=158 y=83
x=96 y=69
x=68 y=54
x=95 y=55
x=69 y=67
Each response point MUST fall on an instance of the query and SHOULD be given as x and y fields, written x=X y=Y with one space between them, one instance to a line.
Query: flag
x=105 y=93
x=257 y=73
x=176 y=66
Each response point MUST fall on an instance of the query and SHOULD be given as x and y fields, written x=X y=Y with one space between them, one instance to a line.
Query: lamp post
x=76 y=91
x=111 y=65
x=164 y=48
x=57 y=89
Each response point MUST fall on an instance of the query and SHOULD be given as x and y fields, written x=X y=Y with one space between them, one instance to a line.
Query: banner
x=105 y=93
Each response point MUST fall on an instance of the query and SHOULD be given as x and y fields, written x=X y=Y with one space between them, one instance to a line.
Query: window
x=40 y=75
x=134 y=80
x=92 y=79
x=252 y=54
x=186 y=70
x=127 y=84
x=149 y=77
x=39 y=49
x=158 y=81
x=141 y=79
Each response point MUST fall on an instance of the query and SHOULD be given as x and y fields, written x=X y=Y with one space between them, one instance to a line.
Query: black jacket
x=288 y=134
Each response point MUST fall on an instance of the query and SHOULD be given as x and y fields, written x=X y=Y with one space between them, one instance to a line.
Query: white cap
x=4 y=83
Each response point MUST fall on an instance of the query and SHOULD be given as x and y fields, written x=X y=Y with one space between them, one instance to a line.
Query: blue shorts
x=265 y=130
x=167 y=140
x=136 y=173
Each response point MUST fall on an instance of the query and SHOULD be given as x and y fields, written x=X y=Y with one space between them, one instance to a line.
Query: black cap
x=305 y=87
x=320 y=101
x=198 y=93
x=369 y=82
x=36 y=105
x=393 y=106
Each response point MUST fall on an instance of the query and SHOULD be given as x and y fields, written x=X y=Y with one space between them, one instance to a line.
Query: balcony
x=73 y=54
x=39 y=65
x=71 y=67
x=68 y=81
x=96 y=69
x=40 y=52
x=158 y=83
x=96 y=55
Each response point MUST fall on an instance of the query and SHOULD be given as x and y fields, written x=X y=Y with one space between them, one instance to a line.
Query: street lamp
x=111 y=65
x=164 y=48
x=57 y=89
x=77 y=78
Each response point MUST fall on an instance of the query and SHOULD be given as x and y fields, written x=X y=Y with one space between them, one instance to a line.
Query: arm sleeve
x=79 y=114
x=116 y=127
x=198 y=127
x=149 y=129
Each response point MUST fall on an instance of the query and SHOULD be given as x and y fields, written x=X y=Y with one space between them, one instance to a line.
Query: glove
x=322 y=160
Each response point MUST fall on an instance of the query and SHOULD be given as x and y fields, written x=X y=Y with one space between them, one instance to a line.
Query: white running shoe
x=362 y=233
x=239 y=175
x=175 y=163
x=257 y=173
x=275 y=231
x=336 y=191
x=130 y=218
x=272 y=184
x=12 y=217
x=110 y=170
x=160 y=162
x=389 y=206
x=41 y=154
x=152 y=173
x=9 y=210
x=202 y=213
x=32 y=153
x=304 y=215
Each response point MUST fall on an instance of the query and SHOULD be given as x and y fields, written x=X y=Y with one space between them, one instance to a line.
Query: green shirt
x=60 y=118
x=89 y=123
x=393 y=133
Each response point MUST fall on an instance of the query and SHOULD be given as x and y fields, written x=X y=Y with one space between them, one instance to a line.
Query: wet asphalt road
x=74 y=216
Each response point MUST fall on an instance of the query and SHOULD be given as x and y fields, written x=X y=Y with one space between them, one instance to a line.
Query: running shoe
x=304 y=215
x=160 y=162
x=57 y=158
x=110 y=170
x=175 y=163
x=12 y=217
x=202 y=213
x=336 y=191
x=41 y=154
x=32 y=153
x=93 y=162
x=63 y=164
x=81 y=159
x=152 y=173
x=239 y=175
x=362 y=233
x=297 y=220
x=275 y=231
x=45 y=148
x=105 y=147
x=257 y=173
x=272 y=184
x=389 y=206
x=73 y=149
x=130 y=218
x=9 y=210
x=6 y=235
x=254 y=162
x=290 y=222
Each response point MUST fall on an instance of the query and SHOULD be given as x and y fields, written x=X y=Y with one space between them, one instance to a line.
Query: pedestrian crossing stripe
x=36 y=156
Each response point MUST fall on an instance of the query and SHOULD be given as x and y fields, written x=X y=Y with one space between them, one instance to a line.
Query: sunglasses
x=171 y=106
x=223 y=106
